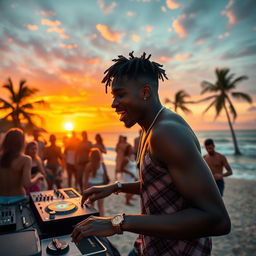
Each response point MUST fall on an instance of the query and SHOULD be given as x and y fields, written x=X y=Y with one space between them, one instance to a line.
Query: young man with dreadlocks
x=181 y=205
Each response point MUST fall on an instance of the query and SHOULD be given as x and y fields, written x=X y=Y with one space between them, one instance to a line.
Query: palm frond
x=9 y=87
x=28 y=105
x=237 y=80
x=6 y=104
x=208 y=87
x=185 y=109
x=241 y=95
x=211 y=104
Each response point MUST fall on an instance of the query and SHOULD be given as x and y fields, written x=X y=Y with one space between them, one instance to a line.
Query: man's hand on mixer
x=92 y=226
x=97 y=192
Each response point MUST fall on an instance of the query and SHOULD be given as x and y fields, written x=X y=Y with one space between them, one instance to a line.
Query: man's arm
x=227 y=167
x=175 y=147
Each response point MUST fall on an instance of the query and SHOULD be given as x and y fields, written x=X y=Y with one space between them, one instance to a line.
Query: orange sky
x=63 y=50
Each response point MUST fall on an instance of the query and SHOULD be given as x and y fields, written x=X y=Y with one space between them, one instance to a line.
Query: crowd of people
x=35 y=165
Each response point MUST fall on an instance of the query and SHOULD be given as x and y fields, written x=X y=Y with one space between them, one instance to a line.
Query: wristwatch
x=117 y=222
x=119 y=187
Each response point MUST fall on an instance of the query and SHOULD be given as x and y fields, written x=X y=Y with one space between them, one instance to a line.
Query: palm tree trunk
x=237 y=151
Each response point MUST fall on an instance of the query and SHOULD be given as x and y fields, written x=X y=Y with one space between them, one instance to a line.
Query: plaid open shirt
x=159 y=196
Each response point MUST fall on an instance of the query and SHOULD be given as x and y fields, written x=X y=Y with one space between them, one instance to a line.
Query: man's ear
x=145 y=92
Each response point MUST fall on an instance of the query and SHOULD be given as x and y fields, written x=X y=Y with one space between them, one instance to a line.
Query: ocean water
x=244 y=166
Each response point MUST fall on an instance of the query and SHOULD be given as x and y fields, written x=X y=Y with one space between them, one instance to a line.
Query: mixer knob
x=52 y=214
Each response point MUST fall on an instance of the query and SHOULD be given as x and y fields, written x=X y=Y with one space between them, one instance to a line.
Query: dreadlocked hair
x=133 y=67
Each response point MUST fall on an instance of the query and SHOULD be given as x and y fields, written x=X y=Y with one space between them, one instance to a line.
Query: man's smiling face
x=127 y=101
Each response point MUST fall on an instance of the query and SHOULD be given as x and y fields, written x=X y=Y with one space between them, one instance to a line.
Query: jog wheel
x=62 y=207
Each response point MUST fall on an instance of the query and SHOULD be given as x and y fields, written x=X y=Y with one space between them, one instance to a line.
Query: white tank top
x=99 y=177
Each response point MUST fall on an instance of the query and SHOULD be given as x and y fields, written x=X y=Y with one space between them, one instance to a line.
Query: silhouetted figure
x=70 y=159
x=99 y=143
x=15 y=168
x=82 y=158
x=120 y=148
x=217 y=162
x=37 y=165
x=40 y=143
x=54 y=164
x=96 y=174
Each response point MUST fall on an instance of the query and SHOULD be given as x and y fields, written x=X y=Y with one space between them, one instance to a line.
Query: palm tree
x=180 y=101
x=18 y=105
x=222 y=88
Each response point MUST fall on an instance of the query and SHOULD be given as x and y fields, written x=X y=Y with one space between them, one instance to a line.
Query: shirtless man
x=54 y=164
x=181 y=205
x=217 y=162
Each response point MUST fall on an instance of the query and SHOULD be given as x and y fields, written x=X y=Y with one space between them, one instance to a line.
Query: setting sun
x=69 y=126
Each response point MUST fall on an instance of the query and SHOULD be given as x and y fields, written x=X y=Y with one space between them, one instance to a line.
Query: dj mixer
x=58 y=211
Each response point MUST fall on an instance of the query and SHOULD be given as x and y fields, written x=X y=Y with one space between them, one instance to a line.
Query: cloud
x=135 y=38
x=172 y=5
x=163 y=8
x=58 y=30
x=240 y=52
x=229 y=13
x=178 y=26
x=181 y=57
x=235 y=11
x=32 y=27
x=148 y=28
x=108 y=34
x=164 y=58
x=68 y=46
x=200 y=42
x=50 y=23
x=47 y=13
x=106 y=9
x=129 y=13
x=226 y=34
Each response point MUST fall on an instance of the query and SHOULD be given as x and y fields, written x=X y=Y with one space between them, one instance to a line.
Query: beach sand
x=240 y=200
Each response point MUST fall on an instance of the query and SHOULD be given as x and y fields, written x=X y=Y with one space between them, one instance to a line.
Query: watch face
x=117 y=219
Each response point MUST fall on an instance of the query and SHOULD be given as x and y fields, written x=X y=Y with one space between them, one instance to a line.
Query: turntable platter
x=62 y=207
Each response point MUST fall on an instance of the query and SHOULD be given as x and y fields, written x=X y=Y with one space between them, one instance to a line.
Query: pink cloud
x=172 y=5
x=149 y=29
x=108 y=34
x=163 y=8
x=32 y=27
x=229 y=13
x=68 y=46
x=181 y=57
x=50 y=23
x=165 y=58
x=47 y=13
x=200 y=41
x=226 y=34
x=178 y=27
x=106 y=9
x=129 y=13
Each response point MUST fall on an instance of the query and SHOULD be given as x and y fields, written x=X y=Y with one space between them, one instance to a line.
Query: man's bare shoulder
x=173 y=127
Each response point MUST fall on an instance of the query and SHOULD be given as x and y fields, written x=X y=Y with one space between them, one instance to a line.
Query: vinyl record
x=62 y=207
